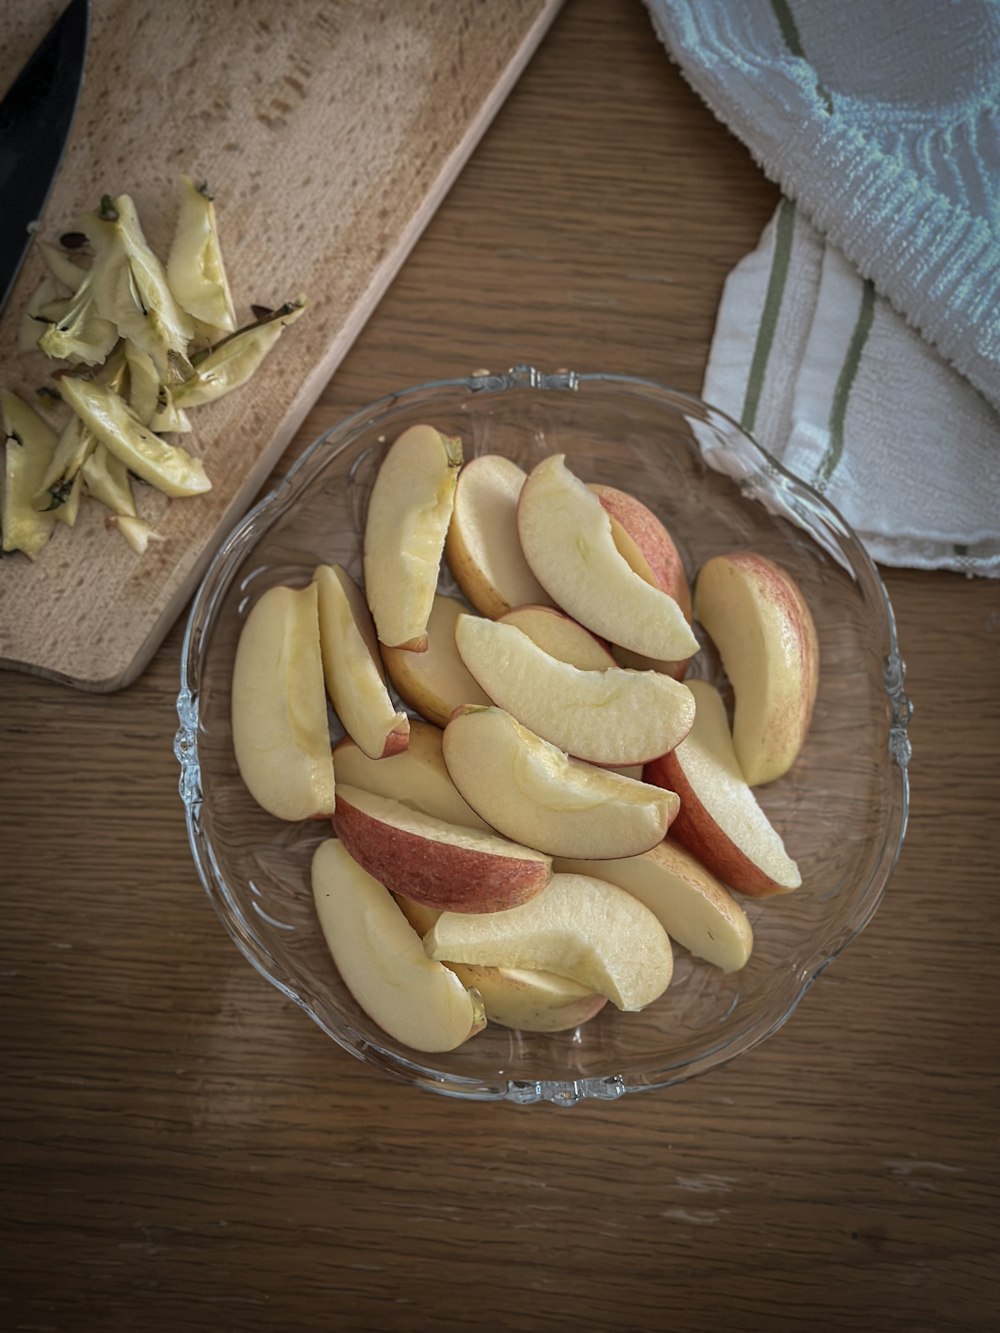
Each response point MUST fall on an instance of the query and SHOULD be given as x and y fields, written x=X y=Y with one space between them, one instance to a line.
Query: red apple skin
x=437 y=874
x=396 y=742
x=696 y=830
x=652 y=539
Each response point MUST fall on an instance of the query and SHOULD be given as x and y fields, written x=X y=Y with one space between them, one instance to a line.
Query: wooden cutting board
x=328 y=132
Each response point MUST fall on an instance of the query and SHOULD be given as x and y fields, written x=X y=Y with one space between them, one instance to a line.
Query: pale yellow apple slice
x=280 y=732
x=436 y=863
x=611 y=717
x=566 y=538
x=649 y=549
x=720 y=821
x=560 y=636
x=435 y=681
x=517 y=997
x=650 y=545
x=530 y=1001
x=482 y=549
x=408 y=514
x=352 y=667
x=580 y=927
x=382 y=962
x=758 y=619
x=695 y=909
x=531 y=792
x=417 y=776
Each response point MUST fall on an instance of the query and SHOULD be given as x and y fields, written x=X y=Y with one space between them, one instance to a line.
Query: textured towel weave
x=881 y=120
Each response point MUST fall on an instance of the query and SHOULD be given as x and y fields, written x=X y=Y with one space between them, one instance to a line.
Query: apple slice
x=651 y=541
x=534 y=794
x=417 y=776
x=580 y=927
x=566 y=537
x=517 y=997
x=436 y=863
x=759 y=621
x=692 y=906
x=561 y=637
x=352 y=667
x=650 y=551
x=281 y=736
x=482 y=549
x=382 y=961
x=408 y=515
x=436 y=681
x=610 y=717
x=720 y=821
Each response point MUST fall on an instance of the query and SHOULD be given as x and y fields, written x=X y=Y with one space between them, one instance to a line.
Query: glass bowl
x=841 y=809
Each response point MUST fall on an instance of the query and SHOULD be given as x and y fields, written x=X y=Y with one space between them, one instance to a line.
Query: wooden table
x=184 y=1150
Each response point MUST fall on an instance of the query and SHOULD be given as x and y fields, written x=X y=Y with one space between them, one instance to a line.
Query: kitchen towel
x=881 y=123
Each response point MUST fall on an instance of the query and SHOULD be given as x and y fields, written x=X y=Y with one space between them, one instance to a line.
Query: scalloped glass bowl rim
x=214 y=584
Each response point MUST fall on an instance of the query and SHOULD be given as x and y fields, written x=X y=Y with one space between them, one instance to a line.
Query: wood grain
x=329 y=133
x=183 y=1149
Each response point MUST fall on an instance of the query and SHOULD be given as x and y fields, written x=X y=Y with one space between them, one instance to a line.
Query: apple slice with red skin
x=566 y=538
x=653 y=541
x=755 y=614
x=435 y=863
x=720 y=821
x=650 y=551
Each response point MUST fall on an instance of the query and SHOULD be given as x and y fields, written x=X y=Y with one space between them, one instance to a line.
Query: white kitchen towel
x=881 y=120
x=836 y=385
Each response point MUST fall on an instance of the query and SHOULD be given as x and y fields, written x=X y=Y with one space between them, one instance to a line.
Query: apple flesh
x=759 y=621
x=382 y=962
x=560 y=636
x=651 y=541
x=530 y=1001
x=437 y=681
x=566 y=538
x=531 y=792
x=695 y=909
x=439 y=864
x=580 y=927
x=352 y=667
x=720 y=821
x=650 y=551
x=417 y=776
x=482 y=547
x=408 y=515
x=611 y=717
x=517 y=997
x=281 y=736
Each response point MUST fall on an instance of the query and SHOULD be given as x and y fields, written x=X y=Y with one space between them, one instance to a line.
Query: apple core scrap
x=524 y=829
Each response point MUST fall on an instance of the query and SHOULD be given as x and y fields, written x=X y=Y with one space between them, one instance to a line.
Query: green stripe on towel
x=769 y=315
x=790 y=36
x=845 y=382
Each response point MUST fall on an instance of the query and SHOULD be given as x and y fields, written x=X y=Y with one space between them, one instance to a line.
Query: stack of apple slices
x=502 y=852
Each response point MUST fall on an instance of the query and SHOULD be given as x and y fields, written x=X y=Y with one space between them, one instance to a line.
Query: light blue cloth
x=881 y=119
